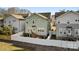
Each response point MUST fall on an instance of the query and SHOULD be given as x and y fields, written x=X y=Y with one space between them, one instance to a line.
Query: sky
x=49 y=9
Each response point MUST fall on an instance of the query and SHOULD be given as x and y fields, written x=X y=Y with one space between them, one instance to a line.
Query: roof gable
x=46 y=14
x=68 y=13
x=17 y=16
x=45 y=18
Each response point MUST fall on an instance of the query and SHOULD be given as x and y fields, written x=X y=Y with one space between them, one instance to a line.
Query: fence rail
x=57 y=43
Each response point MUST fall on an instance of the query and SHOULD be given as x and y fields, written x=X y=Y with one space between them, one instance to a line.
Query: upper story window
x=60 y=32
x=76 y=20
x=68 y=31
x=58 y=22
x=64 y=32
x=68 y=22
x=76 y=32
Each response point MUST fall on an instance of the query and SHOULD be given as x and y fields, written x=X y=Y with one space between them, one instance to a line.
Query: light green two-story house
x=37 y=25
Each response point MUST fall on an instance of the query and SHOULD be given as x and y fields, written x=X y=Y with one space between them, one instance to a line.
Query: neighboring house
x=15 y=10
x=37 y=25
x=16 y=21
x=67 y=26
x=53 y=23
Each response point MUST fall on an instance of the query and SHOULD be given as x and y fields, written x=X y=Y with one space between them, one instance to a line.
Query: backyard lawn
x=8 y=47
x=4 y=46
x=5 y=37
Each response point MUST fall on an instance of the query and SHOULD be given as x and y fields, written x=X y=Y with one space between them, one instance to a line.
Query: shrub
x=1 y=30
x=6 y=30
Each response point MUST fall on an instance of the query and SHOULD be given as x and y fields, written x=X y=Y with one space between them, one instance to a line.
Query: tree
x=62 y=11
x=77 y=11
x=6 y=30
x=2 y=11
x=70 y=11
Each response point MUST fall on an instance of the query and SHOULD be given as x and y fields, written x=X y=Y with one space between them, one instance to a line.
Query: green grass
x=8 y=47
x=5 y=46
x=5 y=37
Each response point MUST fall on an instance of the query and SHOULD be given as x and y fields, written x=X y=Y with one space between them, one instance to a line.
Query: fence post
x=77 y=43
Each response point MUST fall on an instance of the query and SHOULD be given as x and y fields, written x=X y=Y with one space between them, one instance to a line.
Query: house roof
x=17 y=16
x=59 y=13
x=68 y=13
x=46 y=14
x=39 y=15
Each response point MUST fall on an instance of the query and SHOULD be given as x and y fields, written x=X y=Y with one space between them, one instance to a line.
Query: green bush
x=6 y=30
x=1 y=30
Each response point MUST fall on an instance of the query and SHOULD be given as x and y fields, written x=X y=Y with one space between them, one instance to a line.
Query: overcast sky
x=49 y=9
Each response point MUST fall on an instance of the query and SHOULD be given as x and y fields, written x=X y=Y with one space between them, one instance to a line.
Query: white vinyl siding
x=14 y=22
x=37 y=25
x=67 y=19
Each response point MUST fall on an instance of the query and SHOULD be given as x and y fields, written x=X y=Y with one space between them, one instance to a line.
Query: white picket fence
x=57 y=43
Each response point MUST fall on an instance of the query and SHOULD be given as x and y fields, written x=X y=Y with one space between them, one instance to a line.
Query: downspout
x=49 y=37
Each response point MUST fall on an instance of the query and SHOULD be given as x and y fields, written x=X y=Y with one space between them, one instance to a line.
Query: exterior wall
x=40 y=24
x=14 y=23
x=21 y=25
x=67 y=20
x=53 y=20
x=1 y=22
x=71 y=17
